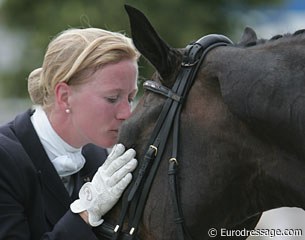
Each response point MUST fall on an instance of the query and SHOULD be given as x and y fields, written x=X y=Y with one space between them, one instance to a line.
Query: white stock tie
x=66 y=159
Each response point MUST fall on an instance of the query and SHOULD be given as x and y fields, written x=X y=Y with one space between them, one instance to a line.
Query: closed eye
x=112 y=99
x=131 y=100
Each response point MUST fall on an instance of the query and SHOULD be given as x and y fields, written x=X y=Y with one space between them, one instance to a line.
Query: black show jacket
x=34 y=204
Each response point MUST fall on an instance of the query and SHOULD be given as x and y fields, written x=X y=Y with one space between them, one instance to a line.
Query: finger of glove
x=116 y=151
x=119 y=188
x=122 y=172
x=120 y=162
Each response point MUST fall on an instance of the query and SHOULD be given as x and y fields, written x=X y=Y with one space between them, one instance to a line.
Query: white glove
x=102 y=193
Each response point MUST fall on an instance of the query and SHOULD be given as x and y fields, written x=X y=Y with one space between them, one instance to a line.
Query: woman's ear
x=62 y=93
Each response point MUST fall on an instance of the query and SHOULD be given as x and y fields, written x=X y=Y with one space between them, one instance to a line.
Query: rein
x=134 y=200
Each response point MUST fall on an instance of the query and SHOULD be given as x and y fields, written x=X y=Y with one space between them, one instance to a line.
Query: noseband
x=134 y=200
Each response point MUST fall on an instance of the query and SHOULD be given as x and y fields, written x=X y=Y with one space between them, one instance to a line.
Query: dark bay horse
x=242 y=133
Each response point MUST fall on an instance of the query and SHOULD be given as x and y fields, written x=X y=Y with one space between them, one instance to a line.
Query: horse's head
x=228 y=171
x=206 y=126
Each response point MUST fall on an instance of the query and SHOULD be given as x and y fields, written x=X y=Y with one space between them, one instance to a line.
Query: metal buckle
x=160 y=89
x=174 y=160
x=154 y=148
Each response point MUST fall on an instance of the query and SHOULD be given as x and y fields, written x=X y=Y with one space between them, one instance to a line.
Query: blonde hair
x=72 y=55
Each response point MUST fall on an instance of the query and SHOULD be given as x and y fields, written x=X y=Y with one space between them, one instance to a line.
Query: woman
x=51 y=182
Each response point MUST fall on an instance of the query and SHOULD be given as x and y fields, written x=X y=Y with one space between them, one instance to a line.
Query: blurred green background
x=28 y=25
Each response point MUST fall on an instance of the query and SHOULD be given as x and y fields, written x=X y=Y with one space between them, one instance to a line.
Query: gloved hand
x=102 y=193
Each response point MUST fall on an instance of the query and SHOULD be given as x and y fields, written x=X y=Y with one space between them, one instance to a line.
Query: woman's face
x=103 y=102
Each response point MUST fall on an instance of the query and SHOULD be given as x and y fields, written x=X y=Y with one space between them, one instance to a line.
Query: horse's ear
x=248 y=37
x=150 y=44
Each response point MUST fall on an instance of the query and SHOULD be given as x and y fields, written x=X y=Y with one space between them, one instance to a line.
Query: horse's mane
x=281 y=37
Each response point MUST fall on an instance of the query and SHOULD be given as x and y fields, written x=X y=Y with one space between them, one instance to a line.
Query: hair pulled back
x=72 y=55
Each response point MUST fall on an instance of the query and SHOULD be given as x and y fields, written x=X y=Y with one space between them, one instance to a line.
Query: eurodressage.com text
x=260 y=232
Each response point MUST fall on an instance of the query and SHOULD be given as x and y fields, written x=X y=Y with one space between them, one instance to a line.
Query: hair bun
x=34 y=87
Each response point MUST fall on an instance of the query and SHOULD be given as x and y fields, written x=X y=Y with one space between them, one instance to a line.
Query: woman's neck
x=62 y=124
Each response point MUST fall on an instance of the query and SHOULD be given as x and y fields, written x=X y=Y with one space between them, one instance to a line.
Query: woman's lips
x=114 y=131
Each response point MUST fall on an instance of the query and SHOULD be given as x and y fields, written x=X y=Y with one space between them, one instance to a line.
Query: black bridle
x=134 y=200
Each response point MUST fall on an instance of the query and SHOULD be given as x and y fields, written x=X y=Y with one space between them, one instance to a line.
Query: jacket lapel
x=55 y=196
x=95 y=157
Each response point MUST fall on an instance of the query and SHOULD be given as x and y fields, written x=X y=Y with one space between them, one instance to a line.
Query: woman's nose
x=124 y=110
